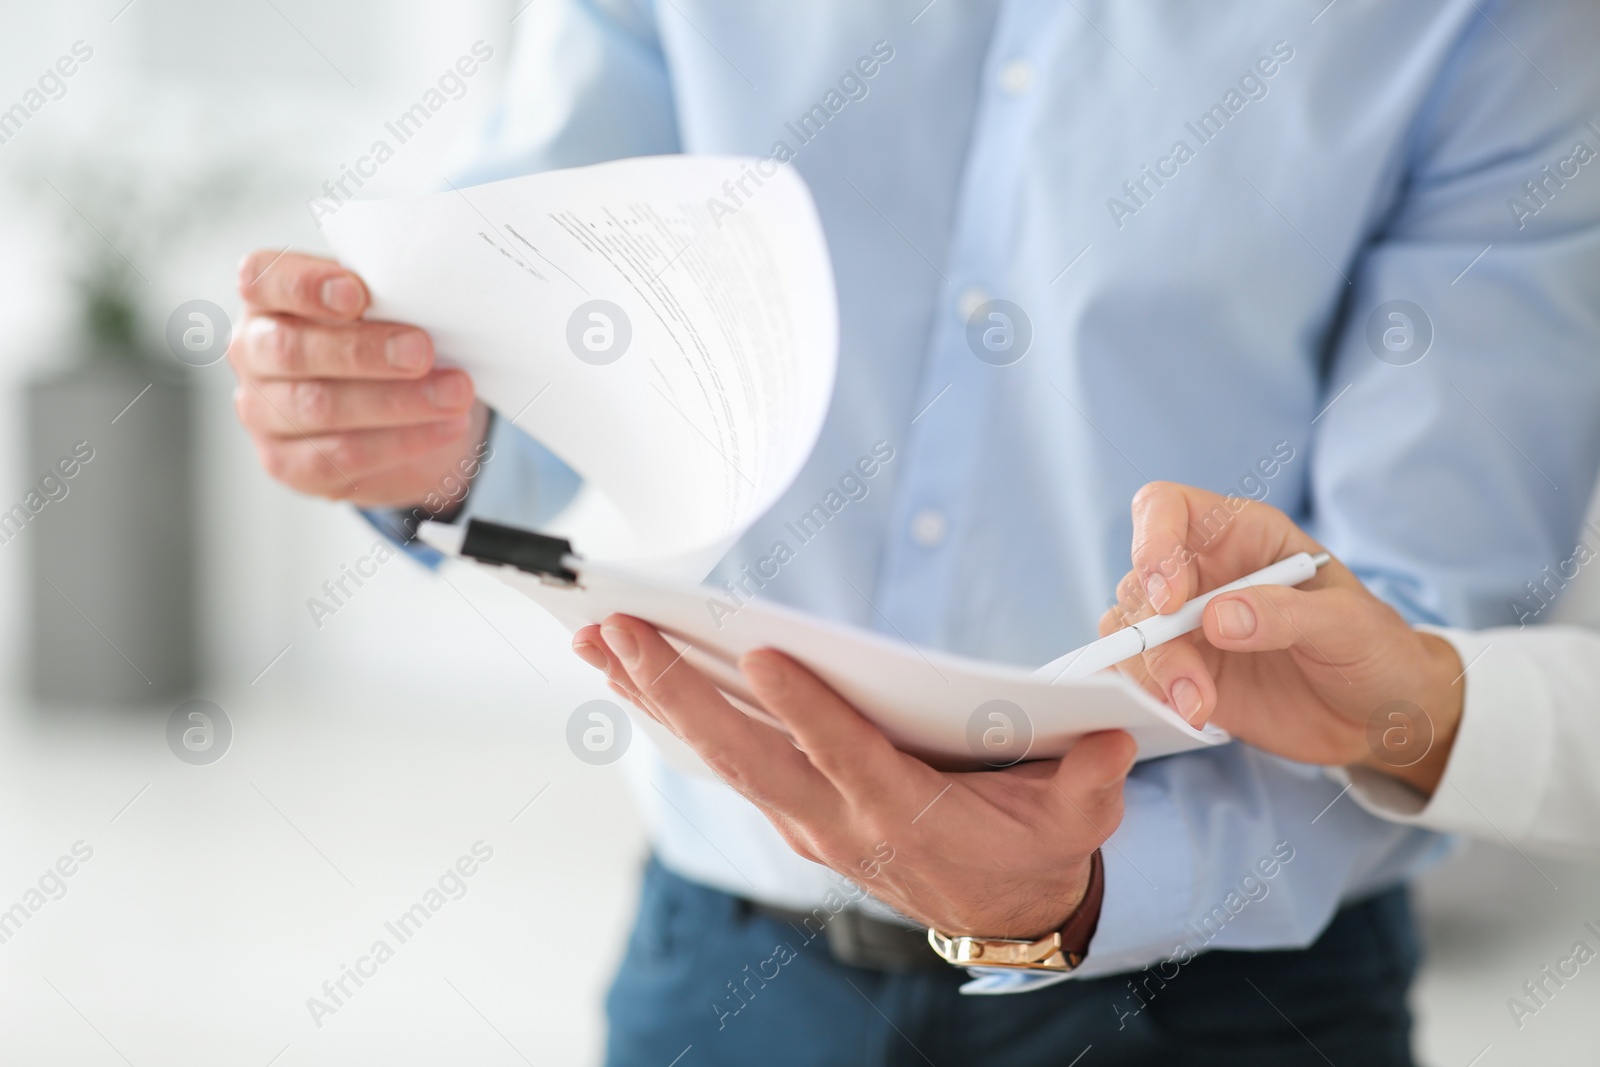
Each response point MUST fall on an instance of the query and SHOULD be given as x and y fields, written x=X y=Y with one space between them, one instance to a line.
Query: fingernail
x=407 y=350
x=764 y=674
x=1235 y=619
x=591 y=655
x=447 y=391
x=1155 y=587
x=1186 y=698
x=622 y=643
x=341 y=295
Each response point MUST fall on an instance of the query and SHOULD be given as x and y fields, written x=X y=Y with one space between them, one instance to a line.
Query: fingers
x=1090 y=776
x=307 y=286
x=436 y=482
x=1174 y=672
x=1195 y=540
x=1132 y=604
x=751 y=757
x=316 y=406
x=342 y=408
x=1161 y=545
x=280 y=346
x=344 y=466
x=852 y=752
x=591 y=648
x=1331 y=626
x=1113 y=620
x=1178 y=674
x=1335 y=625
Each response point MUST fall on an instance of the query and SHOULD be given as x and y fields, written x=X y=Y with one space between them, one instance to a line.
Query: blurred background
x=369 y=749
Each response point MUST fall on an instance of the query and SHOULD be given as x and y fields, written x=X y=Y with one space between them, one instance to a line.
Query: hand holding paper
x=690 y=431
x=1000 y=853
x=341 y=406
x=681 y=363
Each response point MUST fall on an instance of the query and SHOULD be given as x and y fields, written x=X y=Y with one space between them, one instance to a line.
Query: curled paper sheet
x=677 y=354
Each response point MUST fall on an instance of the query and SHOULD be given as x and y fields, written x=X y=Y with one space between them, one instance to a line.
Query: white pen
x=1159 y=629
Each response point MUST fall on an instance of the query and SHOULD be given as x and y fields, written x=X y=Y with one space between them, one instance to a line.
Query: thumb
x=1337 y=625
x=1090 y=776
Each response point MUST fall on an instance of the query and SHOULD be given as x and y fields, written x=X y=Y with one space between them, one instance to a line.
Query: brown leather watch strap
x=1079 y=930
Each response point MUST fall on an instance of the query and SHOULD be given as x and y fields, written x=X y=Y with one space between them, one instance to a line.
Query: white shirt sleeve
x=1525 y=767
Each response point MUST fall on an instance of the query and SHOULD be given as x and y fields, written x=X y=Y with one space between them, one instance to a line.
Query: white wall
x=177 y=90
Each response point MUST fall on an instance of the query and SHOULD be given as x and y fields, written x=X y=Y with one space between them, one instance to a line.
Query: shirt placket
x=944 y=443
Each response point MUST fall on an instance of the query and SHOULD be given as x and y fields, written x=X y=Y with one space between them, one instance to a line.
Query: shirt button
x=928 y=528
x=969 y=301
x=1016 y=77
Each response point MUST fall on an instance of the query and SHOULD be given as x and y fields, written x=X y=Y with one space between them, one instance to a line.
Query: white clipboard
x=953 y=711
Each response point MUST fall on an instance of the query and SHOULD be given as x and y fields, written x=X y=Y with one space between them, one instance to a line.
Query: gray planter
x=112 y=546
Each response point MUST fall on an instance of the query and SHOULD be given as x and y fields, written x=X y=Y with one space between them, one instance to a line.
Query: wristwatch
x=1060 y=951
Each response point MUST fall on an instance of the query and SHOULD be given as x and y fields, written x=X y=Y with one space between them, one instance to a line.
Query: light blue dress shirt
x=1200 y=215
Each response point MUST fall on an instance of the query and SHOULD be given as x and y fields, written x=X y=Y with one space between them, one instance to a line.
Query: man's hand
x=1323 y=672
x=989 y=854
x=342 y=408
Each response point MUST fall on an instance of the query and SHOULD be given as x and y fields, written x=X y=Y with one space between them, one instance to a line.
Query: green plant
x=123 y=216
x=110 y=312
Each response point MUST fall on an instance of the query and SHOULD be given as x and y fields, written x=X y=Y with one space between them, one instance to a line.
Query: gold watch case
x=1045 y=954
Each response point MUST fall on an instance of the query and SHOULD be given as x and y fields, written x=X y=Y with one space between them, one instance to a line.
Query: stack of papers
x=681 y=358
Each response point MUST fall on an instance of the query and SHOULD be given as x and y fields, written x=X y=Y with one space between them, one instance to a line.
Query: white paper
x=707 y=416
x=952 y=711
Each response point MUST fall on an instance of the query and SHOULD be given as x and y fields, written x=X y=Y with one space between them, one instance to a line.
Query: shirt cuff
x=522 y=483
x=518 y=482
x=998 y=981
x=1505 y=739
x=1136 y=914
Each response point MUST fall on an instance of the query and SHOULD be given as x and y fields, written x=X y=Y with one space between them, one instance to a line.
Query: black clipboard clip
x=509 y=546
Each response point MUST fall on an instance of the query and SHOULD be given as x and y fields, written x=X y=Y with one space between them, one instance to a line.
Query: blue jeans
x=708 y=979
